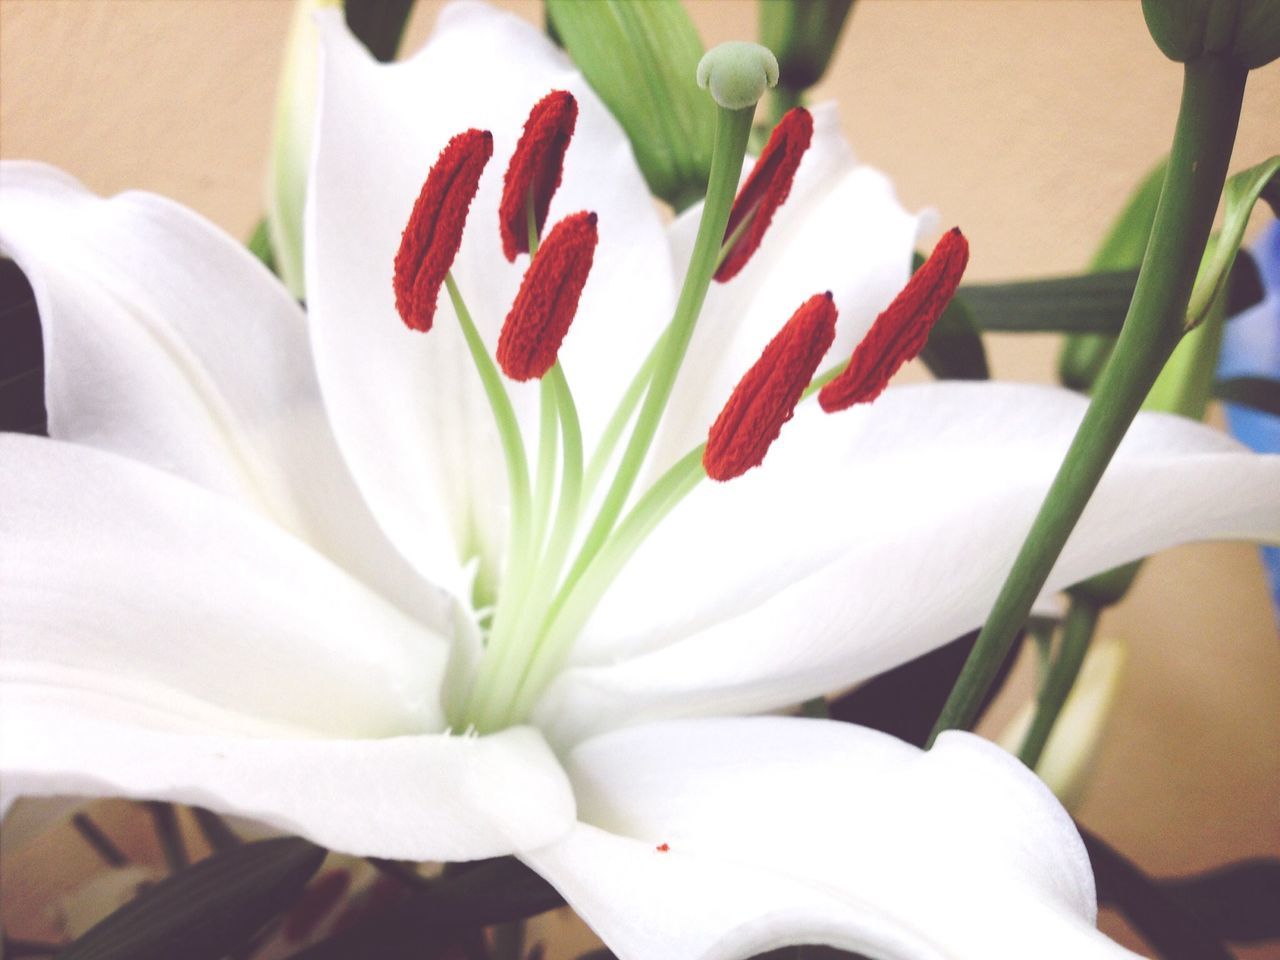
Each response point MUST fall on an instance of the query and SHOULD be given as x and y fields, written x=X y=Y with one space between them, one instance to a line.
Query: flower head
x=322 y=582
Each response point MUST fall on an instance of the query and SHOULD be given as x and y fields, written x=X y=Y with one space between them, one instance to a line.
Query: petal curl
x=871 y=537
x=121 y=579
x=407 y=408
x=781 y=831
x=429 y=797
x=166 y=341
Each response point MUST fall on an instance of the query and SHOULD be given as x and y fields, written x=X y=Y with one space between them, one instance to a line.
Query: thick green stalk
x=1212 y=91
x=1077 y=634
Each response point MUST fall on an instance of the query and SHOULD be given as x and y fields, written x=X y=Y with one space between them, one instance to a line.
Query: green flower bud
x=737 y=73
x=1184 y=30
x=803 y=35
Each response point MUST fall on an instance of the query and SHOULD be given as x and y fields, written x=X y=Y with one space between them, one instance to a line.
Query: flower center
x=560 y=562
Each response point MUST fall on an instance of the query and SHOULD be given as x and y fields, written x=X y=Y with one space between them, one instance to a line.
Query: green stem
x=733 y=127
x=1212 y=91
x=1077 y=634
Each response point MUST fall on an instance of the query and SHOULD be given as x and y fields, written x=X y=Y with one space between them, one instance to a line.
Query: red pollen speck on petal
x=766 y=189
x=431 y=238
x=548 y=298
x=766 y=397
x=535 y=169
x=663 y=848
x=902 y=330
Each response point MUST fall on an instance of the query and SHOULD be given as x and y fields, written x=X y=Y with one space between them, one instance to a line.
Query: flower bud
x=1248 y=30
x=803 y=36
x=1067 y=761
x=291 y=143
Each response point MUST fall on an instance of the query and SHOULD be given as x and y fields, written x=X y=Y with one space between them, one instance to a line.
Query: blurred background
x=1027 y=122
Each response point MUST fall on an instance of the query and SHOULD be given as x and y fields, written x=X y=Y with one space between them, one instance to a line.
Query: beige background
x=1025 y=121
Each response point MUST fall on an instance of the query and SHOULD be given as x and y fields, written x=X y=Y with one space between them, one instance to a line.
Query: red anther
x=902 y=330
x=434 y=232
x=663 y=848
x=766 y=397
x=766 y=188
x=535 y=168
x=316 y=903
x=548 y=298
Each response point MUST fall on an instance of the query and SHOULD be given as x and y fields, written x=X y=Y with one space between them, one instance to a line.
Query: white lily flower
x=235 y=576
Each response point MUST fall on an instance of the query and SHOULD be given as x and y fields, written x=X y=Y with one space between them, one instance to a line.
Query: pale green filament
x=542 y=608
x=569 y=613
x=733 y=127
x=504 y=415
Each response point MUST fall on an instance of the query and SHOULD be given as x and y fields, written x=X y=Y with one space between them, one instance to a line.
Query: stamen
x=548 y=298
x=434 y=232
x=766 y=397
x=766 y=190
x=533 y=175
x=902 y=330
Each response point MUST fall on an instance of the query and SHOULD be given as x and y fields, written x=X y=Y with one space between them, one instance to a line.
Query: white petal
x=431 y=797
x=870 y=538
x=841 y=229
x=166 y=341
x=407 y=407
x=786 y=831
x=123 y=580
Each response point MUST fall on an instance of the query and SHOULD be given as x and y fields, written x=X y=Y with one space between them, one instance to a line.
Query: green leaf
x=469 y=896
x=641 y=59
x=1087 y=303
x=1186 y=30
x=1084 y=355
x=1238 y=197
x=1260 y=393
x=207 y=910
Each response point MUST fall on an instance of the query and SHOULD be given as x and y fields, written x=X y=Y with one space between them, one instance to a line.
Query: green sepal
x=1084 y=355
x=1185 y=30
x=207 y=910
x=1238 y=198
x=803 y=37
x=641 y=58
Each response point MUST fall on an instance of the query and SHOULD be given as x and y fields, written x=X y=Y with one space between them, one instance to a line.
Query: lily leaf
x=1238 y=197
x=1260 y=393
x=1083 y=356
x=1087 y=303
x=475 y=895
x=641 y=59
x=208 y=910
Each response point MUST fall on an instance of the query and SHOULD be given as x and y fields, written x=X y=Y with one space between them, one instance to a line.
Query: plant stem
x=1212 y=91
x=1077 y=634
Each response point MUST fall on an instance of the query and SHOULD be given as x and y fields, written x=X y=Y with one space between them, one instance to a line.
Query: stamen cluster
x=545 y=599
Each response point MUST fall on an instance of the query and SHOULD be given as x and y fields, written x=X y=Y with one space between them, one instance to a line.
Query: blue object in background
x=1251 y=348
